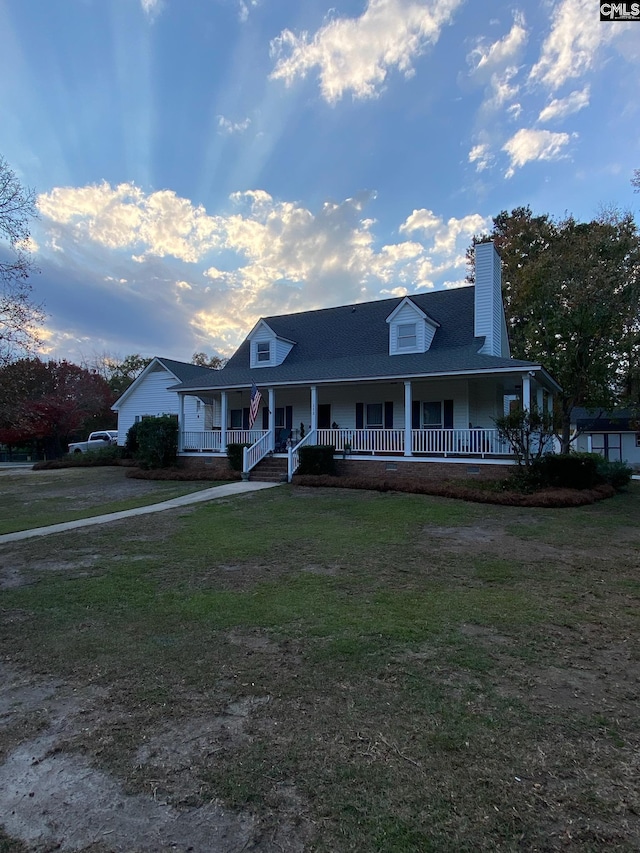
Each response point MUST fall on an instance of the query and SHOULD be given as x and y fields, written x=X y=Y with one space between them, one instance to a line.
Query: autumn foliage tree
x=50 y=403
x=572 y=301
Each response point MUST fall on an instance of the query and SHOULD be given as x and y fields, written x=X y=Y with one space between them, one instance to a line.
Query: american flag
x=256 y=397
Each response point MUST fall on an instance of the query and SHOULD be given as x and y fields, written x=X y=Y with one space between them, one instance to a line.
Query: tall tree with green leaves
x=572 y=299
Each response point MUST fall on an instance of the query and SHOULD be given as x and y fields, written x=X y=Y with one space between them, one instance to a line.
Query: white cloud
x=561 y=107
x=514 y=111
x=228 y=126
x=123 y=217
x=150 y=7
x=529 y=144
x=496 y=66
x=244 y=7
x=450 y=237
x=356 y=54
x=481 y=155
x=485 y=60
x=571 y=48
x=262 y=256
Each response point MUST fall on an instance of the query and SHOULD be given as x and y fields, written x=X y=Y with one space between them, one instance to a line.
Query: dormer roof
x=408 y=301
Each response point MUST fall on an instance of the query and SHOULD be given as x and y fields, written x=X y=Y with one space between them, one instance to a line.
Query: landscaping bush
x=131 y=443
x=317 y=459
x=617 y=474
x=234 y=454
x=113 y=455
x=157 y=442
x=567 y=470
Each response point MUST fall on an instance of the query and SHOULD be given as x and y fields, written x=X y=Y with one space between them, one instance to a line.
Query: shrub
x=617 y=474
x=131 y=443
x=529 y=433
x=92 y=459
x=567 y=470
x=317 y=459
x=234 y=454
x=157 y=442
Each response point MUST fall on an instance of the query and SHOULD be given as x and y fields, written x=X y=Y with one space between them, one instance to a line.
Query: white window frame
x=263 y=355
x=407 y=340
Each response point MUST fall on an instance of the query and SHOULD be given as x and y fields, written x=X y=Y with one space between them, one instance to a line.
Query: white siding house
x=418 y=378
x=149 y=396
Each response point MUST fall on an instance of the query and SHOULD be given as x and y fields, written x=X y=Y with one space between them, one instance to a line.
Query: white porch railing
x=466 y=442
x=200 y=440
x=458 y=442
x=211 y=440
x=364 y=440
x=293 y=455
x=252 y=455
x=245 y=436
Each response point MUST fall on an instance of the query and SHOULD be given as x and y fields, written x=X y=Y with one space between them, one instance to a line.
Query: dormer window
x=263 y=351
x=266 y=348
x=410 y=329
x=407 y=336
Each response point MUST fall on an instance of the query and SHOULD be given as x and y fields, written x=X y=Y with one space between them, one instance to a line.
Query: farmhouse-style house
x=409 y=380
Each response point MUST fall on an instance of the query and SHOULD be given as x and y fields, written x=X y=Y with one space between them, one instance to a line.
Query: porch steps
x=271 y=469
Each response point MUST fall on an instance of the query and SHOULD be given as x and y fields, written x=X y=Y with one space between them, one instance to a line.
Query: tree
x=215 y=362
x=50 y=403
x=529 y=433
x=19 y=315
x=118 y=372
x=572 y=300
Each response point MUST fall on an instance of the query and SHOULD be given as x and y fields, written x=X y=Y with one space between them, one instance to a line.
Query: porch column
x=180 y=422
x=223 y=421
x=272 y=417
x=526 y=392
x=314 y=407
x=408 y=408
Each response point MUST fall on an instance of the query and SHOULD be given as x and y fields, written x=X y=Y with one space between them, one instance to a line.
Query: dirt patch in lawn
x=53 y=796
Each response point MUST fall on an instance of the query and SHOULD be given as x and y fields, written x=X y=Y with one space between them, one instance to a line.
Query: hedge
x=317 y=459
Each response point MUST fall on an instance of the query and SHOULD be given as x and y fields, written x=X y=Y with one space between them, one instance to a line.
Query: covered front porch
x=425 y=419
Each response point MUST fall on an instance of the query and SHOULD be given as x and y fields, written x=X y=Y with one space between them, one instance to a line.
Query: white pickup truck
x=96 y=441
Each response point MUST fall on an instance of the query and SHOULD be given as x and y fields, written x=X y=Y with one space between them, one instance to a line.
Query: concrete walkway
x=228 y=490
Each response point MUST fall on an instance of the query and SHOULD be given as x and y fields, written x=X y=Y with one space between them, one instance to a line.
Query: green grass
x=38 y=499
x=419 y=687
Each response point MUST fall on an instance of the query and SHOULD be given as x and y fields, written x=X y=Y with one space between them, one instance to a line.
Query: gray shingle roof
x=352 y=342
x=183 y=371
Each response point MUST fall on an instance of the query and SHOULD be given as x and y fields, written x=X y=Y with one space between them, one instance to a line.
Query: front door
x=324 y=416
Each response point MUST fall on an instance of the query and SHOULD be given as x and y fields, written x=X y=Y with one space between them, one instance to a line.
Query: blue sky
x=202 y=163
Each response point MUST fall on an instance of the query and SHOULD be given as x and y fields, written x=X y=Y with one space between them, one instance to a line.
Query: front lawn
x=39 y=498
x=343 y=671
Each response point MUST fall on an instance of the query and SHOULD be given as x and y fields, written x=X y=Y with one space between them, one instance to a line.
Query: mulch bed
x=452 y=489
